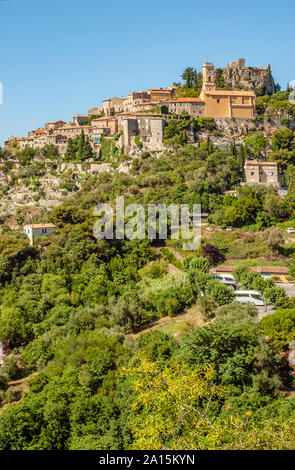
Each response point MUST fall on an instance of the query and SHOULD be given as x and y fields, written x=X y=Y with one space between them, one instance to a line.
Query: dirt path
x=22 y=384
x=19 y=386
x=184 y=322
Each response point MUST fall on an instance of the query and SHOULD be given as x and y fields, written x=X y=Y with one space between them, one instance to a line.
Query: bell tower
x=208 y=76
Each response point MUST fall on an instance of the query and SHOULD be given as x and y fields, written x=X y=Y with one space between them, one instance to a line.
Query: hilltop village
x=232 y=107
x=144 y=114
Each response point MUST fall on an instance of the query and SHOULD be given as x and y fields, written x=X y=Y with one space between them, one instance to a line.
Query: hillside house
x=258 y=172
x=35 y=231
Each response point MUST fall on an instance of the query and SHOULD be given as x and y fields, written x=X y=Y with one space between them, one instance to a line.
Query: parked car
x=209 y=229
x=290 y=230
x=226 y=279
x=229 y=229
x=249 y=296
x=251 y=230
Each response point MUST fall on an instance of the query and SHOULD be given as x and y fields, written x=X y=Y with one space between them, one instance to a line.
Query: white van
x=249 y=296
x=226 y=279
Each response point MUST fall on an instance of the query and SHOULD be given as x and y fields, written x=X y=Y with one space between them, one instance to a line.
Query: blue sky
x=62 y=57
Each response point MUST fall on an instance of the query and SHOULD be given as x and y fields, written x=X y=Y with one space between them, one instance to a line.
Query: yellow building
x=225 y=103
x=161 y=94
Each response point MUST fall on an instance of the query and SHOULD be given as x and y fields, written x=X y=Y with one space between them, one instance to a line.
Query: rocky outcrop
x=237 y=75
x=228 y=130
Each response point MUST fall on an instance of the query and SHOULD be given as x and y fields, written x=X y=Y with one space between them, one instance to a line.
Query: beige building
x=193 y=106
x=97 y=110
x=79 y=119
x=134 y=99
x=113 y=106
x=162 y=94
x=34 y=231
x=54 y=125
x=258 y=172
x=109 y=124
x=225 y=103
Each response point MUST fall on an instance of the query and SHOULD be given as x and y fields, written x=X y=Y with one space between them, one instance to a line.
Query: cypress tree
x=71 y=151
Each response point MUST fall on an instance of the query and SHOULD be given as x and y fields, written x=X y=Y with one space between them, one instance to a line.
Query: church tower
x=208 y=76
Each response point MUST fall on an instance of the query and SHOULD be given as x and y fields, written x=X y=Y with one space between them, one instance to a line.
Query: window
x=256 y=296
x=218 y=101
x=44 y=230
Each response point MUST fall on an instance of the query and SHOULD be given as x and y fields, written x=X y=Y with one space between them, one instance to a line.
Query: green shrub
x=280 y=327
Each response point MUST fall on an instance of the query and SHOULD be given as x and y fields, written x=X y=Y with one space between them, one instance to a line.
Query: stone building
x=134 y=99
x=113 y=106
x=225 y=103
x=193 y=106
x=150 y=129
x=98 y=110
x=258 y=172
x=79 y=119
x=54 y=125
x=108 y=123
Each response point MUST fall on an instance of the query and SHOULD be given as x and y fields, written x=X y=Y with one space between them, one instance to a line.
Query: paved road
x=289 y=288
x=290 y=291
x=263 y=313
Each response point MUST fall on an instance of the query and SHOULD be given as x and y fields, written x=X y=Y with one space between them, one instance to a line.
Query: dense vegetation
x=68 y=313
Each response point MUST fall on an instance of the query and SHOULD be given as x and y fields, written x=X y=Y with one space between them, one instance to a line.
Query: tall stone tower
x=208 y=76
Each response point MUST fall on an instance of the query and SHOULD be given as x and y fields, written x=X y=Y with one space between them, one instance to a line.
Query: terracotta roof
x=106 y=118
x=256 y=162
x=258 y=269
x=187 y=100
x=159 y=89
x=54 y=122
x=49 y=225
x=229 y=92
x=64 y=128
x=114 y=98
x=134 y=115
